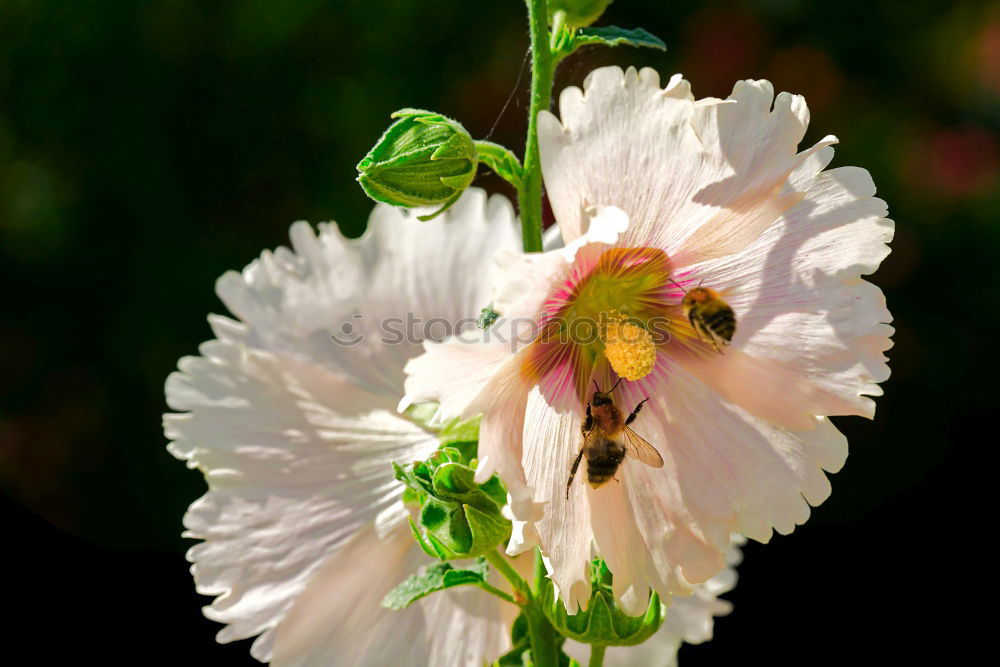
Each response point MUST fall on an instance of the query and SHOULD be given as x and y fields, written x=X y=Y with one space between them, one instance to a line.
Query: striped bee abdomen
x=720 y=320
x=602 y=464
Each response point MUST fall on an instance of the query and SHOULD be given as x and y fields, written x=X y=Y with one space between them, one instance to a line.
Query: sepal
x=603 y=622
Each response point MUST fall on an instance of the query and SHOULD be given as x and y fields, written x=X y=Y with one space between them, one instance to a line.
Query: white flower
x=303 y=528
x=655 y=194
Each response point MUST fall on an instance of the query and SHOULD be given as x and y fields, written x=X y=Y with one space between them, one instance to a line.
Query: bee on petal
x=607 y=438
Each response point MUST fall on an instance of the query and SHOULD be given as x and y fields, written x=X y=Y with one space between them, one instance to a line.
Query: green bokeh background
x=146 y=147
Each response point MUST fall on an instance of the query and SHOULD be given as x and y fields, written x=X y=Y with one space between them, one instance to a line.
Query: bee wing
x=589 y=436
x=642 y=450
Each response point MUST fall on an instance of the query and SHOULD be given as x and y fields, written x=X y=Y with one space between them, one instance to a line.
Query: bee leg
x=711 y=339
x=572 y=473
x=635 y=413
x=588 y=423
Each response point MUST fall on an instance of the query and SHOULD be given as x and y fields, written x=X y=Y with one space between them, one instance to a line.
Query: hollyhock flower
x=303 y=527
x=657 y=194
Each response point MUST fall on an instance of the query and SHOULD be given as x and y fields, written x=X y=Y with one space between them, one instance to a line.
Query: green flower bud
x=458 y=518
x=423 y=159
x=603 y=622
x=487 y=316
x=578 y=13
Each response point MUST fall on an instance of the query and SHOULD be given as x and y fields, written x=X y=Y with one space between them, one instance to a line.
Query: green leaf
x=422 y=413
x=434 y=578
x=612 y=35
x=456 y=430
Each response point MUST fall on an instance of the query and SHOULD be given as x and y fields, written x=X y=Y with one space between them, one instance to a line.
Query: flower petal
x=810 y=332
x=551 y=442
x=711 y=171
x=295 y=433
x=339 y=619
x=296 y=461
x=727 y=469
x=295 y=302
x=465 y=627
x=615 y=141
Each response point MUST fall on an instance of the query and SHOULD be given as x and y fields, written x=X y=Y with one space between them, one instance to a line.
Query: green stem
x=542 y=70
x=596 y=655
x=541 y=634
x=496 y=591
x=503 y=566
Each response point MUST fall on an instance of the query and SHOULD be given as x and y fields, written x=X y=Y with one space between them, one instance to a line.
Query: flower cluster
x=697 y=315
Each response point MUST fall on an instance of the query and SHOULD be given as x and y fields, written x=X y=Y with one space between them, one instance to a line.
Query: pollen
x=628 y=347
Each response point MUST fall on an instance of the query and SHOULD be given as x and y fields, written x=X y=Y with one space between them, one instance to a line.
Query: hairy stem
x=503 y=566
x=541 y=634
x=496 y=591
x=542 y=69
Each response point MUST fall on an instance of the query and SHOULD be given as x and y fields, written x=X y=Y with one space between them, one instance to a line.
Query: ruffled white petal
x=293 y=432
x=293 y=301
x=296 y=463
x=711 y=170
x=465 y=628
x=729 y=470
x=339 y=619
x=551 y=442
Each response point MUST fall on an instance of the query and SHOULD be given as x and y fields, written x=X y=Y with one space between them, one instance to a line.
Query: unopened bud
x=423 y=159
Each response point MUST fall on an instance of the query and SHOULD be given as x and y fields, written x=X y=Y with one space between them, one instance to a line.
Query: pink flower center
x=614 y=310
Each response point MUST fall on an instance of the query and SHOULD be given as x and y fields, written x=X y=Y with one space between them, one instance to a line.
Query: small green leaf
x=434 y=578
x=612 y=35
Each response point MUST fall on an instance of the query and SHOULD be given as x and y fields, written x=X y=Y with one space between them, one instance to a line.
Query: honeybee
x=709 y=315
x=607 y=438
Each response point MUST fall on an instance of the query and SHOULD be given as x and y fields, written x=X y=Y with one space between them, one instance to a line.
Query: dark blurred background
x=146 y=147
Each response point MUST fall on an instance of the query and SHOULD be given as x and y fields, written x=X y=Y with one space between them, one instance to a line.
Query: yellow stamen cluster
x=628 y=347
